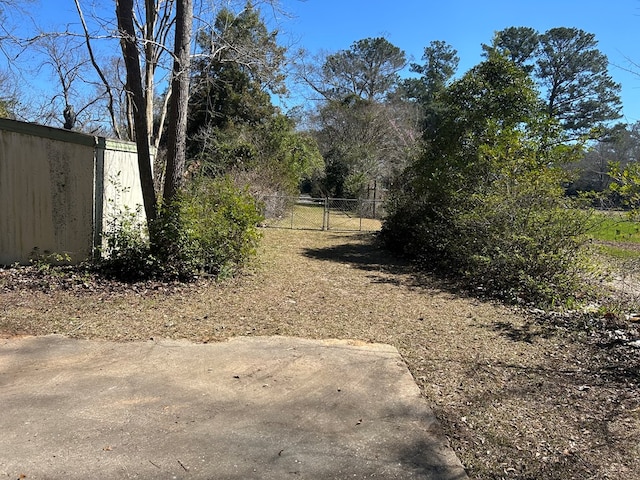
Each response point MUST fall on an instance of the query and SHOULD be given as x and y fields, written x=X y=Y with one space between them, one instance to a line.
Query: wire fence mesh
x=337 y=214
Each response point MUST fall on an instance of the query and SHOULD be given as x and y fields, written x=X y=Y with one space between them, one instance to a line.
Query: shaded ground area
x=519 y=396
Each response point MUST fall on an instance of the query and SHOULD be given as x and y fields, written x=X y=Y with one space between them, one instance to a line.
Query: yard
x=520 y=394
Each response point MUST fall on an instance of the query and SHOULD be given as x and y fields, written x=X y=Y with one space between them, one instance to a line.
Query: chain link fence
x=337 y=214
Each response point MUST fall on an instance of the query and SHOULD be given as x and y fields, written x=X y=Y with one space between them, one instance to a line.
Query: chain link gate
x=337 y=214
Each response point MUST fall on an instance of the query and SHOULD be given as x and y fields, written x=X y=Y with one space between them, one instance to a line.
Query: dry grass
x=315 y=217
x=518 y=398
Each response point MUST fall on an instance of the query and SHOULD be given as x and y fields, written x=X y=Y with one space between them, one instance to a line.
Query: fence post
x=325 y=217
x=375 y=191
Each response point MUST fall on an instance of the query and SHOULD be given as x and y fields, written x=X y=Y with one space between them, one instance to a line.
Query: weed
x=46 y=261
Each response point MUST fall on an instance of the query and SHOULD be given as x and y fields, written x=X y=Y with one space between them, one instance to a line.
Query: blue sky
x=465 y=24
x=332 y=25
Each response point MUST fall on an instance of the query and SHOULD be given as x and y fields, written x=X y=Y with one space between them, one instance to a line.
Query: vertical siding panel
x=50 y=197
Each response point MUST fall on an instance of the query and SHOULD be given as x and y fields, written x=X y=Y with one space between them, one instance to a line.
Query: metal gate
x=337 y=214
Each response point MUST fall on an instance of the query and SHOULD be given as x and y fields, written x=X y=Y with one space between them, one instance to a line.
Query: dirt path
x=518 y=399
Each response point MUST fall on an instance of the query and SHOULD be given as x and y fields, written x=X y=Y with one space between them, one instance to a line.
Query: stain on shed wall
x=50 y=193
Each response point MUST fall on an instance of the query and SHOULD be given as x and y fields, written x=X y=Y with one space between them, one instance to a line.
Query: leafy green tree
x=239 y=64
x=224 y=97
x=233 y=126
x=571 y=72
x=351 y=146
x=273 y=155
x=369 y=70
x=436 y=73
x=485 y=202
x=580 y=93
x=518 y=44
x=440 y=65
x=365 y=131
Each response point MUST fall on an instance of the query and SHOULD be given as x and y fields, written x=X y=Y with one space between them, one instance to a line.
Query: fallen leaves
x=555 y=394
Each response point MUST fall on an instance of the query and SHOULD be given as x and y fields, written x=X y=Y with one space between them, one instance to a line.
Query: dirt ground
x=520 y=394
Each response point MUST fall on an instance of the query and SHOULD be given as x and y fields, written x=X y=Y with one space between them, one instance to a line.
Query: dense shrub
x=519 y=246
x=222 y=222
x=211 y=229
x=485 y=203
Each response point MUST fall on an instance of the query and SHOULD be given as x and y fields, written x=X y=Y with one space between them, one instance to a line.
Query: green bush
x=518 y=247
x=212 y=228
x=222 y=223
x=125 y=253
x=485 y=204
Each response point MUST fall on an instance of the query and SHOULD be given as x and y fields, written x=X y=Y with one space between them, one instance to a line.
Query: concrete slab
x=263 y=408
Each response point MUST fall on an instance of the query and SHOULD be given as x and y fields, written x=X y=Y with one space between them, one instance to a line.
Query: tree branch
x=87 y=37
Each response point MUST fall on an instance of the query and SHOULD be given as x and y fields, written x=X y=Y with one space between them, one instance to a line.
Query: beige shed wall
x=121 y=189
x=58 y=190
x=46 y=198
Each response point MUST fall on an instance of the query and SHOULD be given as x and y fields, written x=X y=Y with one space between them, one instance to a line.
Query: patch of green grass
x=615 y=228
x=315 y=217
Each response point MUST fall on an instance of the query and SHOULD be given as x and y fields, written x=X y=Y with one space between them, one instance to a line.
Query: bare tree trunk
x=131 y=131
x=163 y=116
x=125 y=15
x=177 y=120
x=150 y=48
